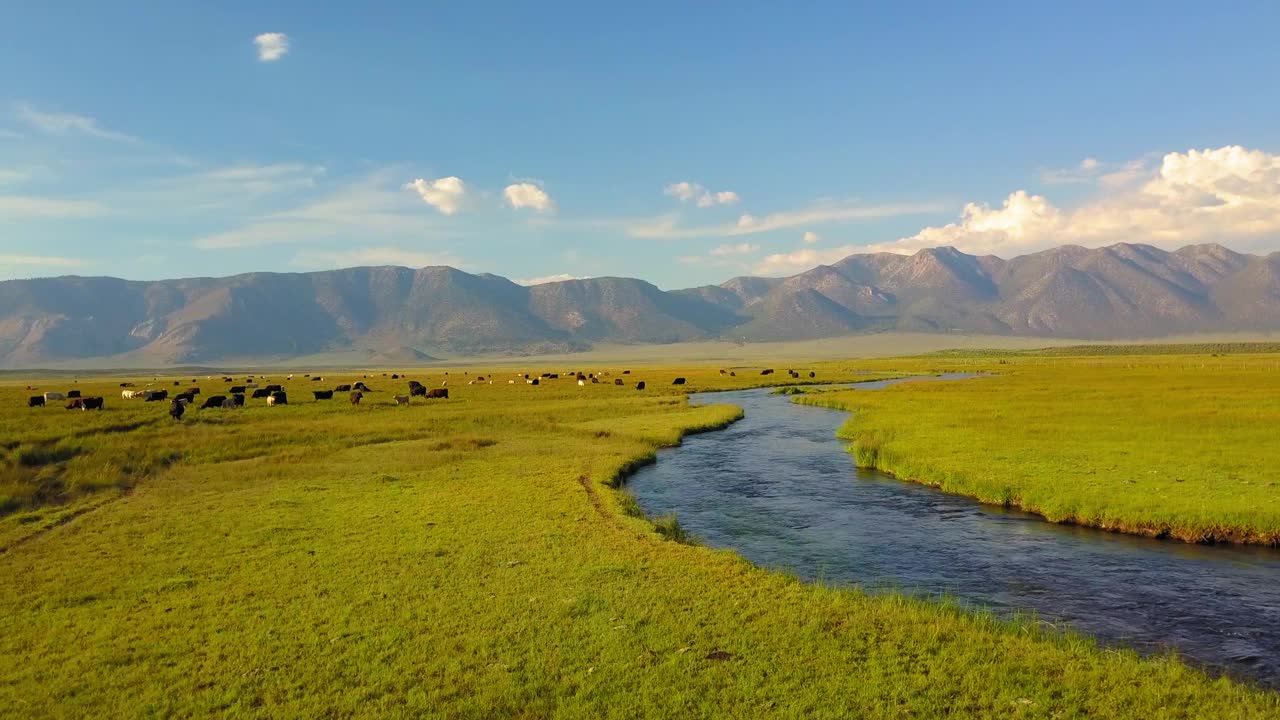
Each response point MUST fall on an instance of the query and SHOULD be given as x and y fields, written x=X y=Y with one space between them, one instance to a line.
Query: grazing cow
x=355 y=397
x=767 y=372
x=723 y=371
x=733 y=373
x=157 y=395
x=595 y=381
x=418 y=390
x=402 y=399
x=617 y=381
x=316 y=379
x=441 y=393
x=323 y=394
x=342 y=388
x=251 y=386
x=414 y=383
x=626 y=372
x=534 y=381
x=236 y=400
x=126 y=384
x=213 y=401
x=811 y=374
x=273 y=388
x=73 y=393
x=479 y=378
x=35 y=401
x=261 y=393
x=175 y=382
x=395 y=376
x=554 y=376
x=76 y=404
x=193 y=391
x=640 y=385
x=176 y=409
x=51 y=396
x=361 y=387
x=678 y=381
x=185 y=397
x=580 y=377
x=92 y=403
x=237 y=389
x=278 y=398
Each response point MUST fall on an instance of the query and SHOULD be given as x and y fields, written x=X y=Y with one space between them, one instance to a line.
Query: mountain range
x=396 y=315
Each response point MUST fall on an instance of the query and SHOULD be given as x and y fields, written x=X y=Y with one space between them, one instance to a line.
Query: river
x=780 y=488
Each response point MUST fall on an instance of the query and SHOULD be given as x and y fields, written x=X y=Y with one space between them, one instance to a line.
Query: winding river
x=779 y=488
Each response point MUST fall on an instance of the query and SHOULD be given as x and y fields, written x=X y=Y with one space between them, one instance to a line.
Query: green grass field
x=1168 y=445
x=471 y=558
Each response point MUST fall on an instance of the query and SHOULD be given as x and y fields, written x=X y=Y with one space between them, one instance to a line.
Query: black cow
x=273 y=388
x=811 y=374
x=355 y=397
x=73 y=393
x=617 y=381
x=395 y=376
x=93 y=403
x=479 y=378
x=213 y=401
x=554 y=376
x=158 y=395
x=678 y=381
x=185 y=396
x=316 y=379
x=534 y=381
x=237 y=389
x=261 y=393
x=723 y=371
x=361 y=387
x=626 y=372
x=733 y=374
x=441 y=393
x=323 y=394
x=176 y=383
x=237 y=399
x=580 y=376
x=766 y=372
x=176 y=409
x=278 y=398
x=640 y=385
x=342 y=388
x=35 y=401
x=417 y=391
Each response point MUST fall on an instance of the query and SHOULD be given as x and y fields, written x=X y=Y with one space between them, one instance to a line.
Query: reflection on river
x=779 y=488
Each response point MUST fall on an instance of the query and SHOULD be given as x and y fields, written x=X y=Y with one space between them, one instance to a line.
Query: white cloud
x=1199 y=195
x=41 y=261
x=543 y=280
x=685 y=191
x=271 y=46
x=65 y=123
x=49 y=207
x=10 y=135
x=734 y=249
x=666 y=227
x=804 y=259
x=8 y=177
x=528 y=195
x=811 y=237
x=369 y=206
x=447 y=194
x=372 y=256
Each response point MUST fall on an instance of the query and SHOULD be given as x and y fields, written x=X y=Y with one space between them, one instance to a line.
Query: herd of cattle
x=275 y=394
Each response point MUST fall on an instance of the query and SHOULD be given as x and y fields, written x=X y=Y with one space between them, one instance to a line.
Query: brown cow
x=402 y=399
x=355 y=397
x=441 y=393
x=617 y=381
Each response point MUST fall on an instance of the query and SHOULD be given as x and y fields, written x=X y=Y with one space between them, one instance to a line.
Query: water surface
x=780 y=489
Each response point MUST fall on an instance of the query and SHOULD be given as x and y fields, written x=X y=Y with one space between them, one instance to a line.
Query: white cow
x=54 y=396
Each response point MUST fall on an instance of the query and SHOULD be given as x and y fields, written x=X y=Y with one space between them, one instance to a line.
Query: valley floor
x=470 y=558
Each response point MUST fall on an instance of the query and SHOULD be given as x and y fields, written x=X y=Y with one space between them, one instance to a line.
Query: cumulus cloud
x=543 y=280
x=372 y=256
x=780 y=264
x=67 y=123
x=686 y=191
x=1195 y=196
x=811 y=237
x=734 y=249
x=447 y=194
x=527 y=195
x=668 y=228
x=271 y=46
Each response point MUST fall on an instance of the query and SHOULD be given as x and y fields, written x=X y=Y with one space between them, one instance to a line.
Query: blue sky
x=680 y=142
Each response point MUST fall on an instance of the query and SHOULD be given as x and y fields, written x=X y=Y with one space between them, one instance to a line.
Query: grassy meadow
x=475 y=558
x=1163 y=443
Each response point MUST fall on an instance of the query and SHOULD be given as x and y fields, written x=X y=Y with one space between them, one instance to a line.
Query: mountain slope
x=394 y=312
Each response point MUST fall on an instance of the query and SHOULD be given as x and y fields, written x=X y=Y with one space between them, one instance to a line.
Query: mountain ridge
x=391 y=312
